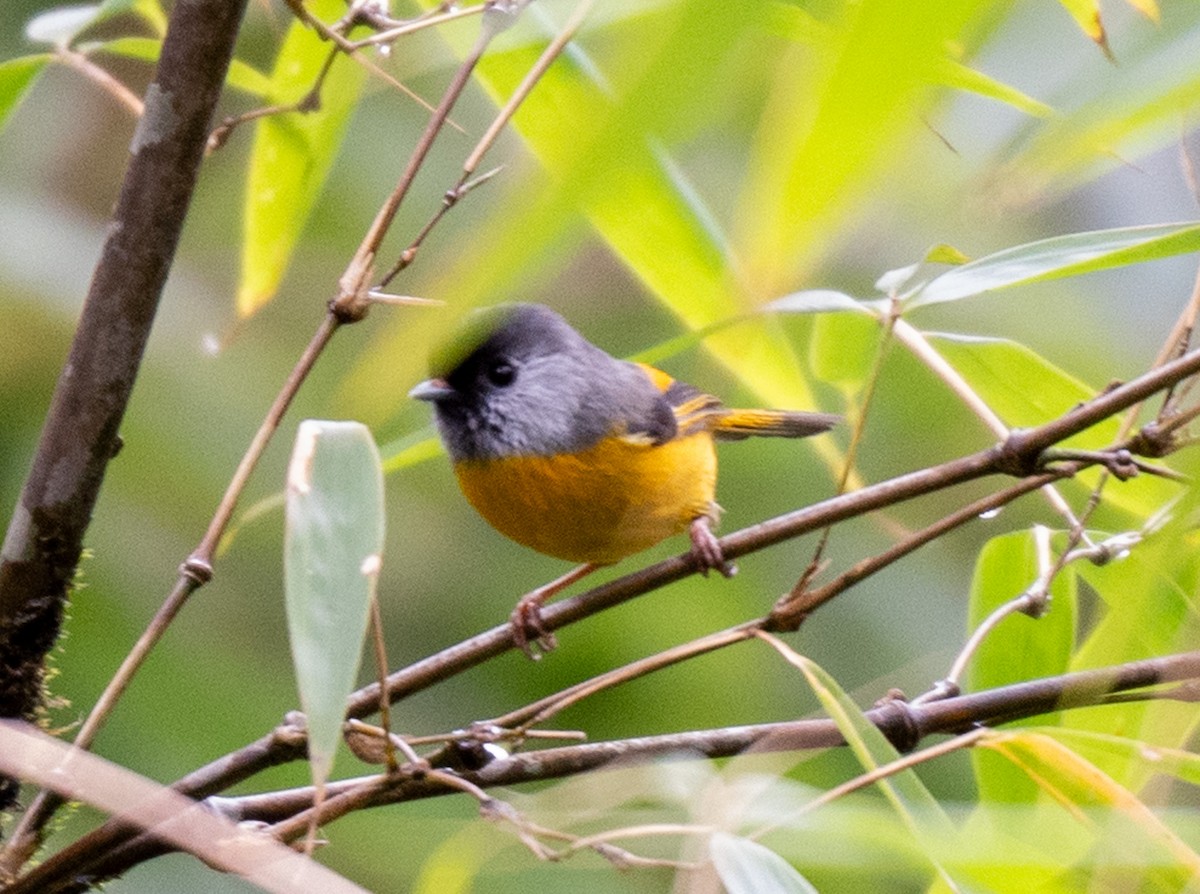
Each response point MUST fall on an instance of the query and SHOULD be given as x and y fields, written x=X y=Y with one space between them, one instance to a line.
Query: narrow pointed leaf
x=1060 y=256
x=292 y=155
x=332 y=549
x=16 y=77
x=912 y=801
x=59 y=26
x=955 y=74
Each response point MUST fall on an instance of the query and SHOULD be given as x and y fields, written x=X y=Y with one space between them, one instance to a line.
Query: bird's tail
x=734 y=425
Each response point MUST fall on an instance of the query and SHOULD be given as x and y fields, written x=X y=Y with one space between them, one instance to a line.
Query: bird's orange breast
x=599 y=505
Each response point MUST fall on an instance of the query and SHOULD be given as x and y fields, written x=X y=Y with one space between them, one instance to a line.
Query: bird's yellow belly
x=600 y=505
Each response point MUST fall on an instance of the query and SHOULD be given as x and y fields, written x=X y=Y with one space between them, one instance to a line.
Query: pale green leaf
x=746 y=867
x=813 y=301
x=402 y=453
x=292 y=156
x=1060 y=256
x=912 y=801
x=59 y=26
x=16 y=77
x=332 y=553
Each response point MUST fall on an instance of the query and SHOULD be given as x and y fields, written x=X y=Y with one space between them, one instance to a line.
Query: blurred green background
x=953 y=168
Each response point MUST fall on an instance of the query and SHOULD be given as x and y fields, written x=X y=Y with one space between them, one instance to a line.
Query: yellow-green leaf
x=292 y=155
x=16 y=77
x=1131 y=841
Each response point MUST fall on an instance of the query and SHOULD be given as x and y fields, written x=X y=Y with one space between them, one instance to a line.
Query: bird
x=580 y=455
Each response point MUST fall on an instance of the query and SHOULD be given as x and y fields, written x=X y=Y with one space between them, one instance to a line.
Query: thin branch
x=352 y=299
x=391 y=34
x=903 y=724
x=794 y=607
x=916 y=342
x=105 y=81
x=465 y=184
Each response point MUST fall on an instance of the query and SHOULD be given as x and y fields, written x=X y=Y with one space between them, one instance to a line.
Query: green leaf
x=814 y=301
x=1022 y=387
x=1020 y=647
x=864 y=70
x=292 y=156
x=332 y=553
x=1106 y=749
x=1060 y=256
x=16 y=77
x=961 y=77
x=1147 y=606
x=842 y=350
x=909 y=797
x=747 y=867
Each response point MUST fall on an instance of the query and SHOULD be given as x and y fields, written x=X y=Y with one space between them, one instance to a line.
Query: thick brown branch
x=45 y=537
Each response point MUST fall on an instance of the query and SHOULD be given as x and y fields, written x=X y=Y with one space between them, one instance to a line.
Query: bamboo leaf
x=292 y=156
x=332 y=553
x=1060 y=256
x=16 y=77
x=746 y=867
x=1129 y=837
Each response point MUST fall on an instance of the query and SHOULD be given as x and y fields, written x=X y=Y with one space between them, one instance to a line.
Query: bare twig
x=916 y=342
x=465 y=184
x=97 y=75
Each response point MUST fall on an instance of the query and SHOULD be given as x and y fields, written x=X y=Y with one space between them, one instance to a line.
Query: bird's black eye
x=501 y=373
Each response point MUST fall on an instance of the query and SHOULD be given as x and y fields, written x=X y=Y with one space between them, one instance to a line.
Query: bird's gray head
x=518 y=380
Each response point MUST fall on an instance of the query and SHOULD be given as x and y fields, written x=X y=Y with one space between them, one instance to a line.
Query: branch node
x=905 y=732
x=1012 y=455
x=291 y=736
x=197 y=569
x=1153 y=440
x=349 y=307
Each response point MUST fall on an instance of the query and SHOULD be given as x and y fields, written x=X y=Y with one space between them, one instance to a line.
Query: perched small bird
x=577 y=454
